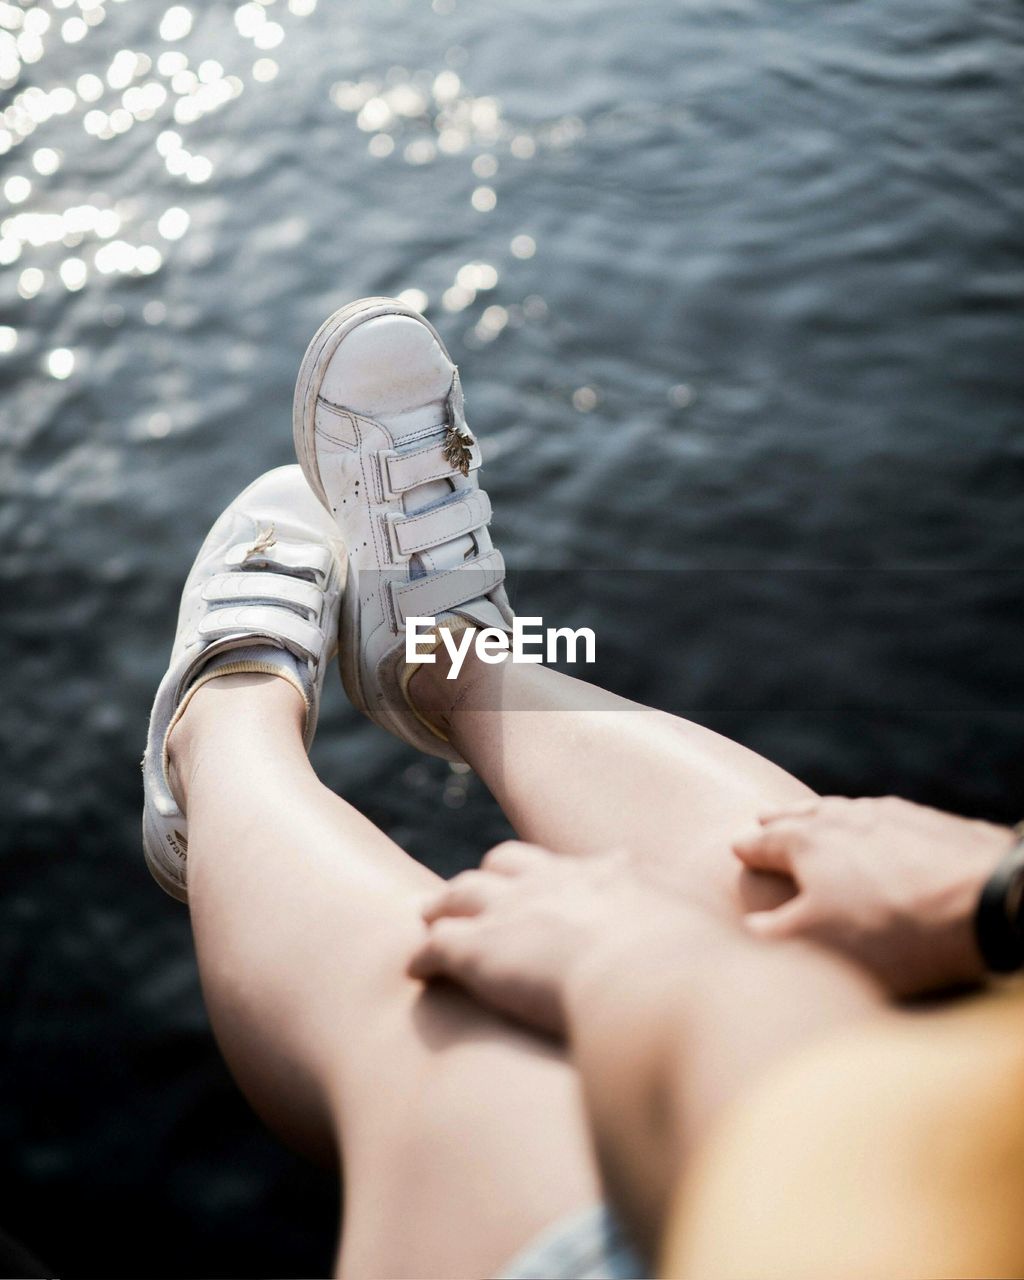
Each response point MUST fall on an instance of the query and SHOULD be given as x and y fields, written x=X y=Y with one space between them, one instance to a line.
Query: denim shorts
x=586 y=1246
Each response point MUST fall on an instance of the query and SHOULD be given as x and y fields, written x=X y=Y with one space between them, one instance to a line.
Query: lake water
x=736 y=292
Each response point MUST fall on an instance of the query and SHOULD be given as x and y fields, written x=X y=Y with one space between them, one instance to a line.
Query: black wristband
x=999 y=919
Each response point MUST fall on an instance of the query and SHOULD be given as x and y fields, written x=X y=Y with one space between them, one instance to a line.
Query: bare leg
x=577 y=769
x=459 y=1136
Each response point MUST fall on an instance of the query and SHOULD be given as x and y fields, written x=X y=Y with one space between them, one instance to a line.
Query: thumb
x=768 y=849
x=787 y=921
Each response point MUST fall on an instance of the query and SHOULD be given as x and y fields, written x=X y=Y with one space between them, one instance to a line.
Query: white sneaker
x=381 y=434
x=263 y=595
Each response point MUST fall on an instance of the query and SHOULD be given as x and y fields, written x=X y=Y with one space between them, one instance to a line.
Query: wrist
x=999 y=915
x=957 y=937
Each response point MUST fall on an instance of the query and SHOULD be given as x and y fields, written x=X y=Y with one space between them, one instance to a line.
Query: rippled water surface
x=735 y=288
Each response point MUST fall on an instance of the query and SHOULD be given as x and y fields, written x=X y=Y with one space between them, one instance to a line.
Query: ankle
x=236 y=703
x=440 y=700
x=180 y=745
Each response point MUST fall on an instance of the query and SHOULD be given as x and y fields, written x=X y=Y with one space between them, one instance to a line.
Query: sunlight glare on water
x=164 y=85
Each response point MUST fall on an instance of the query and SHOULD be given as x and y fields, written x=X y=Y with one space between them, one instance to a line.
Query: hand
x=893 y=885
x=514 y=931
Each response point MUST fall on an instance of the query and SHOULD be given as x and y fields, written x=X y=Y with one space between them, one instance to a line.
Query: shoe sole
x=318 y=356
x=150 y=843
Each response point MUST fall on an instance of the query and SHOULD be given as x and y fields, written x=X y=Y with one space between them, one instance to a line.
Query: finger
x=791 y=920
x=513 y=857
x=467 y=894
x=801 y=809
x=448 y=950
x=767 y=850
x=815 y=807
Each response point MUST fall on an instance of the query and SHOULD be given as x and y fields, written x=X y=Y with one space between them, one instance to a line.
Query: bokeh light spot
x=30 y=282
x=17 y=189
x=176 y=23
x=484 y=199
x=73 y=274
x=414 y=298
x=173 y=223
x=46 y=161
x=60 y=363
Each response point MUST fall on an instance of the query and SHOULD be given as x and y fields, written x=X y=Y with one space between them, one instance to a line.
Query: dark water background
x=755 y=396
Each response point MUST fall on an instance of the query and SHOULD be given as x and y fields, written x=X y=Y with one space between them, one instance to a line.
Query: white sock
x=260 y=659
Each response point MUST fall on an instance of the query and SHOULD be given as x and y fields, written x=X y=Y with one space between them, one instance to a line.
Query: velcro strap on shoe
x=410 y=534
x=274 y=588
x=297 y=559
x=267 y=621
x=429 y=596
x=400 y=472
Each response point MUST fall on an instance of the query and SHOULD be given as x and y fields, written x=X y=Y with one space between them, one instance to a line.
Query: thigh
x=577 y=769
